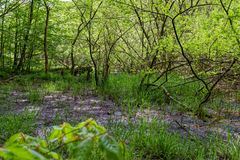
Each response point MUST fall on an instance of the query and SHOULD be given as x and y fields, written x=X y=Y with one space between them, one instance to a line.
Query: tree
x=46 y=35
x=26 y=37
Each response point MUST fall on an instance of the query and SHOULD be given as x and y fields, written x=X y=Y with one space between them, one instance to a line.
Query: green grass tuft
x=14 y=123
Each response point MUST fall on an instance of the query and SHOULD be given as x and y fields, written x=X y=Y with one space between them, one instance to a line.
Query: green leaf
x=36 y=155
x=80 y=142
x=4 y=153
x=55 y=156
x=55 y=133
x=20 y=152
x=43 y=143
x=81 y=150
x=15 y=138
x=111 y=147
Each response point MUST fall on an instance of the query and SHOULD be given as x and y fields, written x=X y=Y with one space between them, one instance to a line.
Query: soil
x=59 y=107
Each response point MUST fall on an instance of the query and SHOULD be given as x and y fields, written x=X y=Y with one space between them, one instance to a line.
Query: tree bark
x=25 y=42
x=46 y=36
x=72 y=47
x=15 y=44
x=2 y=42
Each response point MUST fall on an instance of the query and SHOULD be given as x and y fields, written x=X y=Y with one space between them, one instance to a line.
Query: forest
x=119 y=79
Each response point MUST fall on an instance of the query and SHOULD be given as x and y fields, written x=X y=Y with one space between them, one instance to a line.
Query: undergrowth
x=14 y=123
x=152 y=140
x=124 y=89
x=142 y=140
x=145 y=140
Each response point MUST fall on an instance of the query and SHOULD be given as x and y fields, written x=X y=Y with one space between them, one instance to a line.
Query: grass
x=35 y=96
x=124 y=89
x=14 y=123
x=152 y=140
x=40 y=84
x=143 y=140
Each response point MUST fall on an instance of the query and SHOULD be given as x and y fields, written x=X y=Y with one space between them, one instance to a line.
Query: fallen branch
x=182 y=127
x=172 y=98
x=185 y=129
x=7 y=80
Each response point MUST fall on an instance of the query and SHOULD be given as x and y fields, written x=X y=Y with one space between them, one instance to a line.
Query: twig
x=215 y=84
x=183 y=127
x=7 y=80
x=172 y=98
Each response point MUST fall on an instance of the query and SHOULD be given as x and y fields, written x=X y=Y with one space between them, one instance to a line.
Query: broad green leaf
x=15 y=138
x=79 y=141
x=5 y=153
x=55 y=133
x=111 y=147
x=20 y=152
x=55 y=156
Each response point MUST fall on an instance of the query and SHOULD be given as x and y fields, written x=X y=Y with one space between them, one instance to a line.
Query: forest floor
x=65 y=107
x=33 y=103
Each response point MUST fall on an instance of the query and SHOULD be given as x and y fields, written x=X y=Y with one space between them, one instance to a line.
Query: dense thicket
x=197 y=39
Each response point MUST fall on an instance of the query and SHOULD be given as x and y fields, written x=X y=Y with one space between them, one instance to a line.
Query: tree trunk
x=45 y=36
x=72 y=47
x=91 y=55
x=2 y=36
x=2 y=42
x=15 y=44
x=23 y=53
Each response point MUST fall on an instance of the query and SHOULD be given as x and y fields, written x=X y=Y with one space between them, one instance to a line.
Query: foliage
x=138 y=38
x=180 y=55
x=124 y=89
x=64 y=141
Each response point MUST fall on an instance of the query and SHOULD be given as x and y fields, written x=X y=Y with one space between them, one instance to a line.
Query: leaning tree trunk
x=79 y=30
x=72 y=47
